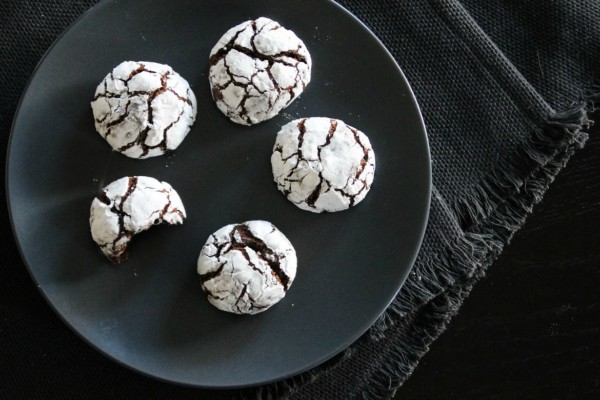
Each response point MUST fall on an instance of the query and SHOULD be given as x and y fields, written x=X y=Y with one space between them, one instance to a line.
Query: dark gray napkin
x=504 y=87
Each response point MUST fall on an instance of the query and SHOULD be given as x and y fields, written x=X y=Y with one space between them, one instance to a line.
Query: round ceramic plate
x=149 y=313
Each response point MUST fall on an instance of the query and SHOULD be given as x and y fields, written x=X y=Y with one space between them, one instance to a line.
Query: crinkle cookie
x=246 y=268
x=257 y=69
x=129 y=206
x=322 y=164
x=143 y=109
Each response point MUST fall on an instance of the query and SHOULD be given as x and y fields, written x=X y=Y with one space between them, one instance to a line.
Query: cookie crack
x=119 y=250
x=352 y=197
x=365 y=159
x=155 y=93
x=262 y=251
x=101 y=120
x=219 y=246
x=165 y=209
x=242 y=293
x=140 y=140
x=242 y=105
x=314 y=196
x=316 y=193
x=253 y=53
x=301 y=132
x=106 y=95
x=186 y=100
x=244 y=110
x=141 y=68
x=330 y=133
x=163 y=143
x=121 y=118
x=211 y=275
x=280 y=90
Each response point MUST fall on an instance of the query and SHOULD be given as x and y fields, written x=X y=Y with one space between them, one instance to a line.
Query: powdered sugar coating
x=246 y=268
x=322 y=164
x=143 y=109
x=129 y=206
x=257 y=69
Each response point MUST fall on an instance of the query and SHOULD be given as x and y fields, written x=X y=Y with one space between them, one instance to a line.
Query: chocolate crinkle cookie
x=129 y=206
x=246 y=268
x=322 y=164
x=257 y=69
x=143 y=109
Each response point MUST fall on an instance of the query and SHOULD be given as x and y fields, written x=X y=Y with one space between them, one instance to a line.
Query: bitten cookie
x=129 y=206
x=322 y=164
x=246 y=268
x=257 y=69
x=143 y=109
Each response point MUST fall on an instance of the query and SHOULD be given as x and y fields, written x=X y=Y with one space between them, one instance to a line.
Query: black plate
x=150 y=313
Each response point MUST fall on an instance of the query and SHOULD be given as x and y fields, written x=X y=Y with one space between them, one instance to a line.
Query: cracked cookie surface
x=143 y=109
x=257 y=69
x=322 y=164
x=129 y=206
x=246 y=268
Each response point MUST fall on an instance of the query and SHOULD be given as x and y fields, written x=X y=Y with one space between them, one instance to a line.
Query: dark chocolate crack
x=352 y=197
x=219 y=247
x=262 y=251
x=117 y=121
x=139 y=70
x=213 y=274
x=141 y=138
x=314 y=196
x=300 y=156
x=118 y=251
x=165 y=209
x=365 y=159
x=252 y=304
x=219 y=89
x=302 y=132
x=330 y=133
x=241 y=295
x=212 y=295
x=103 y=198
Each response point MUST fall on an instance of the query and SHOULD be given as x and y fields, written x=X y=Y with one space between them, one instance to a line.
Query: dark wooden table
x=531 y=327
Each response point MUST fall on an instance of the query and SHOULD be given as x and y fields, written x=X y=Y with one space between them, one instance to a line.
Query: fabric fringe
x=285 y=388
x=592 y=95
x=516 y=186
x=428 y=323
x=505 y=182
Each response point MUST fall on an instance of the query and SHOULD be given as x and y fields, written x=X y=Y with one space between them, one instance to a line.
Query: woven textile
x=504 y=87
